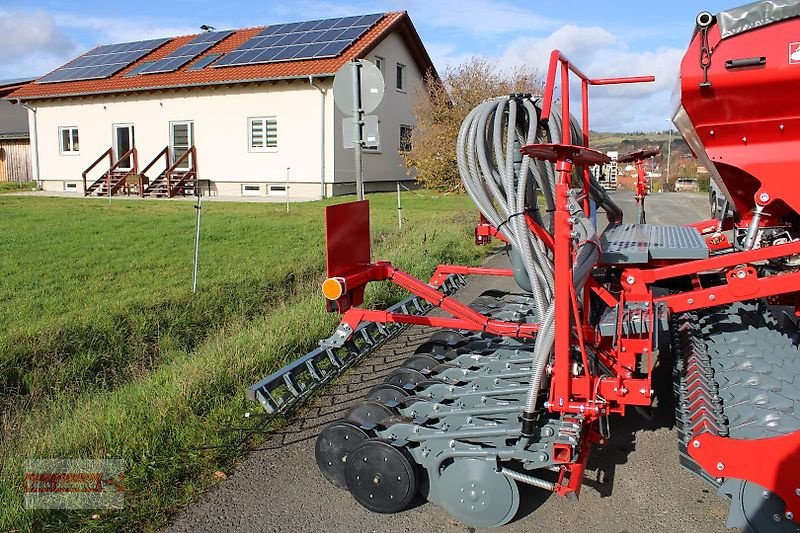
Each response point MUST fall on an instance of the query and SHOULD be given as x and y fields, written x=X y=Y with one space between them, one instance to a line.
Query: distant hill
x=683 y=163
x=628 y=142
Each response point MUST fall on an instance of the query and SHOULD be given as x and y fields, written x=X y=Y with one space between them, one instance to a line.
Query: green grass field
x=105 y=353
x=12 y=186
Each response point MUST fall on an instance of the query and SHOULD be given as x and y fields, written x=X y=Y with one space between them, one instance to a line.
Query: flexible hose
x=486 y=162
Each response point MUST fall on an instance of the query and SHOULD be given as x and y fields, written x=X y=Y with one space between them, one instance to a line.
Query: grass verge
x=13 y=186
x=105 y=353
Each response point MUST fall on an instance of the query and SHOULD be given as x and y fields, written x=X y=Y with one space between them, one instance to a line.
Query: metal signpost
x=198 y=206
x=358 y=89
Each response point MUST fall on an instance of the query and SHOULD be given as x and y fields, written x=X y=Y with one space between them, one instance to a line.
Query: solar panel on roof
x=134 y=71
x=103 y=61
x=314 y=39
x=204 y=62
x=186 y=53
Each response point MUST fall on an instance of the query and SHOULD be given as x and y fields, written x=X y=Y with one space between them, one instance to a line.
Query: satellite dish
x=372 y=87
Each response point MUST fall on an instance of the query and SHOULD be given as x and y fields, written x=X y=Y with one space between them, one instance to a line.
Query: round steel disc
x=405 y=378
x=386 y=392
x=758 y=510
x=450 y=338
x=381 y=477
x=369 y=412
x=334 y=444
x=436 y=350
x=420 y=362
x=477 y=495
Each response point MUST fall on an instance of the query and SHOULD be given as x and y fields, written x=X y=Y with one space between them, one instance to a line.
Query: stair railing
x=143 y=174
x=108 y=153
x=191 y=172
x=130 y=154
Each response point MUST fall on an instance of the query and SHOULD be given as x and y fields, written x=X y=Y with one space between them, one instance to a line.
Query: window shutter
x=257 y=133
x=272 y=133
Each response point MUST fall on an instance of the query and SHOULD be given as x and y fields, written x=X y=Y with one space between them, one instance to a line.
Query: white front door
x=123 y=142
x=181 y=138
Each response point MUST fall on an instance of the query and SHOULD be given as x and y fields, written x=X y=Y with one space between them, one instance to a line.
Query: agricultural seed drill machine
x=518 y=388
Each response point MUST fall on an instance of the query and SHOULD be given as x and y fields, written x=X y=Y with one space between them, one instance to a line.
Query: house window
x=70 y=187
x=68 y=138
x=277 y=190
x=251 y=190
x=405 y=138
x=263 y=134
x=380 y=62
x=401 y=77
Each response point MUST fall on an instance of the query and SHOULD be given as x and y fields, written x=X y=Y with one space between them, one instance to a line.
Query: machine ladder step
x=628 y=244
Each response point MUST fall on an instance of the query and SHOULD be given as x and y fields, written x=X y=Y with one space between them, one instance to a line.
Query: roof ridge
x=182 y=77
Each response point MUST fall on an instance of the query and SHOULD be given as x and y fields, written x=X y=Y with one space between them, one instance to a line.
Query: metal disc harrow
x=447 y=424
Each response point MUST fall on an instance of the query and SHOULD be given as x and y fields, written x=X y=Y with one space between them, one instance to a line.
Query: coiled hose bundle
x=505 y=186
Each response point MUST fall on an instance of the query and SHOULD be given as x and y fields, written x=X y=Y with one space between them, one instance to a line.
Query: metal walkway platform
x=628 y=244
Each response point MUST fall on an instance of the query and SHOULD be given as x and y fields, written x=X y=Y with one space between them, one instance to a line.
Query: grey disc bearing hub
x=474 y=492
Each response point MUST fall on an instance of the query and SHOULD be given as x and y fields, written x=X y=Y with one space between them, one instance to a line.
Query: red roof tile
x=118 y=83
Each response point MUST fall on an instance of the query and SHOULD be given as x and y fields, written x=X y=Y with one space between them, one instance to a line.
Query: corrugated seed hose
x=504 y=189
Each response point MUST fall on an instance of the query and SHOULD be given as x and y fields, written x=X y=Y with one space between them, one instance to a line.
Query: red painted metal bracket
x=635 y=280
x=484 y=232
x=773 y=463
x=741 y=281
x=465 y=317
x=443 y=271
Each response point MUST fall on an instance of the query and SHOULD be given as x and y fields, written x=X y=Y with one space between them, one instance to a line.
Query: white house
x=235 y=113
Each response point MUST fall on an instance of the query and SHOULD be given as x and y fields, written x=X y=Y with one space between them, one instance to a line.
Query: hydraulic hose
x=487 y=150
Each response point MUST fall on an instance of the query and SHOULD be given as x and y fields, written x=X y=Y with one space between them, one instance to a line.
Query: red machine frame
x=584 y=394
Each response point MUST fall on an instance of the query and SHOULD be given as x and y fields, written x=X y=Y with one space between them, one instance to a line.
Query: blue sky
x=604 y=38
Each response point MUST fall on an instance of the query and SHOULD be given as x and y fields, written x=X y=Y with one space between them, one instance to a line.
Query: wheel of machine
x=405 y=377
x=386 y=392
x=333 y=446
x=420 y=362
x=368 y=413
x=760 y=513
x=381 y=477
x=474 y=493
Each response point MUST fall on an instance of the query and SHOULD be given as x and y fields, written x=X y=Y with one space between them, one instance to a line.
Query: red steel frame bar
x=465 y=317
x=642 y=277
x=561 y=386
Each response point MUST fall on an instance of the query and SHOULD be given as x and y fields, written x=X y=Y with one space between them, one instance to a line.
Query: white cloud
x=446 y=55
x=107 y=30
x=601 y=54
x=32 y=44
x=36 y=42
x=478 y=17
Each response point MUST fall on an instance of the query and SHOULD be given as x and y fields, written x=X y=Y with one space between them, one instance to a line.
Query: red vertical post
x=587 y=189
x=563 y=279
x=565 y=125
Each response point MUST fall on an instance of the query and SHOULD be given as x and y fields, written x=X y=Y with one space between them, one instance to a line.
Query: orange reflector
x=333 y=288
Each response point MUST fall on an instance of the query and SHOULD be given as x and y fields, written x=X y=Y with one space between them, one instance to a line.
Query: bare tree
x=440 y=105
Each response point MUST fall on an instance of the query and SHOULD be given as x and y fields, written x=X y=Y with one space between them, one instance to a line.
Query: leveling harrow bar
x=279 y=392
x=518 y=388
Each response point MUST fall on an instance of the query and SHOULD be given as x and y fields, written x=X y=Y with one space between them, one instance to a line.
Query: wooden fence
x=15 y=160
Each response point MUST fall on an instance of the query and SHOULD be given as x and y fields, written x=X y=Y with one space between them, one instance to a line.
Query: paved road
x=634 y=484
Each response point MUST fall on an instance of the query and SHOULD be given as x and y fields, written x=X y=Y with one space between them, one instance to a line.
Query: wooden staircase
x=114 y=179
x=180 y=178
